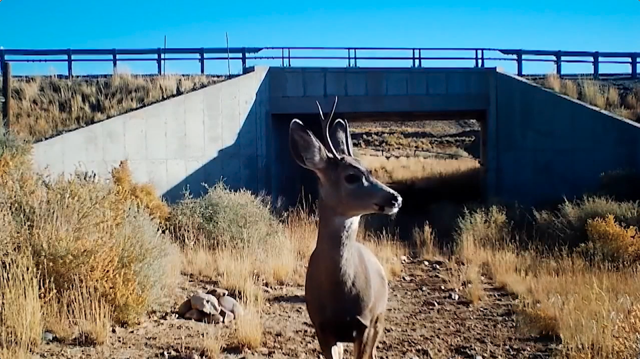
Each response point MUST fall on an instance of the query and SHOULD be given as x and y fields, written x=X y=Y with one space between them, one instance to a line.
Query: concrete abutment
x=537 y=145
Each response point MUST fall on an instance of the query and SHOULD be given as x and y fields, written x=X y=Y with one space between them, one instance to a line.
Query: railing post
x=115 y=61
x=558 y=63
x=413 y=58
x=355 y=58
x=634 y=66
x=6 y=93
x=69 y=64
x=482 y=58
x=596 y=65
x=348 y=57
x=520 y=64
x=420 y=57
x=476 y=51
x=244 y=60
x=159 y=61
x=289 y=57
x=202 y=61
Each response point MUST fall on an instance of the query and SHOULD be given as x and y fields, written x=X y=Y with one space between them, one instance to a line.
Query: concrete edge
x=594 y=108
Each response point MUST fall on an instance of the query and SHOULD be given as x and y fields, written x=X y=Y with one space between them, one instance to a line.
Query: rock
x=436 y=267
x=184 y=308
x=433 y=303
x=231 y=305
x=267 y=289
x=406 y=278
x=454 y=296
x=424 y=289
x=263 y=351
x=426 y=263
x=478 y=357
x=214 y=318
x=206 y=303
x=227 y=316
x=195 y=314
x=48 y=337
x=404 y=259
x=218 y=292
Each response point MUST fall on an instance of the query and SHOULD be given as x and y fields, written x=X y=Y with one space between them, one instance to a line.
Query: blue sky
x=542 y=24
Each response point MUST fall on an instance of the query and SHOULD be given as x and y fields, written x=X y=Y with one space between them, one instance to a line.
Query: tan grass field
x=44 y=107
x=101 y=266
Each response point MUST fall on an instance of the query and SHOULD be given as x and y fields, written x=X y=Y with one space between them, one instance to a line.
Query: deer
x=346 y=288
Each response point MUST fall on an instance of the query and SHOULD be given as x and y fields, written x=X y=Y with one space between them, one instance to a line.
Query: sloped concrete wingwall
x=216 y=132
x=543 y=146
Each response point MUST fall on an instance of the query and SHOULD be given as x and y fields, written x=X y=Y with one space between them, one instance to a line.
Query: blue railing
x=347 y=57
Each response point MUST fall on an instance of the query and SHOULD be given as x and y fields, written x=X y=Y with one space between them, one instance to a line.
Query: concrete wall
x=216 y=132
x=542 y=146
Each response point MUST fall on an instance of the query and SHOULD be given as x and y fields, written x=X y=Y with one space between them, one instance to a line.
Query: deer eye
x=352 y=178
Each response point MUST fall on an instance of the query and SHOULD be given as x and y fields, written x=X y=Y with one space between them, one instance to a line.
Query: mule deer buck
x=346 y=289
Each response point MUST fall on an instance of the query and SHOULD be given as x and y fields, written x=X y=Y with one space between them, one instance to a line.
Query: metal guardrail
x=350 y=55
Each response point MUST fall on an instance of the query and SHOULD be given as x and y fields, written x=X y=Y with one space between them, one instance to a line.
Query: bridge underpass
x=301 y=183
x=540 y=146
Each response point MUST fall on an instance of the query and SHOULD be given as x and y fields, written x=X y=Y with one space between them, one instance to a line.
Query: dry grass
x=20 y=309
x=79 y=316
x=414 y=169
x=96 y=254
x=424 y=240
x=602 y=95
x=592 y=307
x=214 y=342
x=44 y=106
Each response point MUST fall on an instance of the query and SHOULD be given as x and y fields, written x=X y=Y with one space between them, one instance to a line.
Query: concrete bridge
x=537 y=145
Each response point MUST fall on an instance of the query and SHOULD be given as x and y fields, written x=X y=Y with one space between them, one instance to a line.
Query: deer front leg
x=366 y=347
x=330 y=348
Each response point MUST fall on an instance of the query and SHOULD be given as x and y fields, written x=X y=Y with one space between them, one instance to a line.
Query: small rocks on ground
x=213 y=307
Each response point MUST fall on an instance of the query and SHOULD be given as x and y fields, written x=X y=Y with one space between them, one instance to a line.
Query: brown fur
x=346 y=289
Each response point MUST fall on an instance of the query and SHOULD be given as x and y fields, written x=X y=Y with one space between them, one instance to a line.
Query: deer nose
x=396 y=201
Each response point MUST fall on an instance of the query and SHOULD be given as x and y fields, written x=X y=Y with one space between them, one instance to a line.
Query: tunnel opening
x=436 y=161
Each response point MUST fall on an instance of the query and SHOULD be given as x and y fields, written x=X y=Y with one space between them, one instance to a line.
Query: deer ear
x=305 y=147
x=341 y=138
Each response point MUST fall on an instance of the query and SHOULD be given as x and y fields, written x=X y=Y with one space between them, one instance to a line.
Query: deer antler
x=326 y=125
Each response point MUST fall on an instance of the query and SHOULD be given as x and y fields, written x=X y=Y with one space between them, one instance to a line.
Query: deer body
x=346 y=288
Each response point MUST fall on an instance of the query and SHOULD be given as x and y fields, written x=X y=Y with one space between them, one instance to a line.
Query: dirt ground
x=425 y=320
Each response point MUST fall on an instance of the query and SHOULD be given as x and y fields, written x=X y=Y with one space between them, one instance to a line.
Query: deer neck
x=336 y=233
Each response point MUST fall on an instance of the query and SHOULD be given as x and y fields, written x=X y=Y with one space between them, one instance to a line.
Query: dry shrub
x=611 y=242
x=79 y=228
x=567 y=224
x=238 y=234
x=44 y=106
x=143 y=195
x=592 y=308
